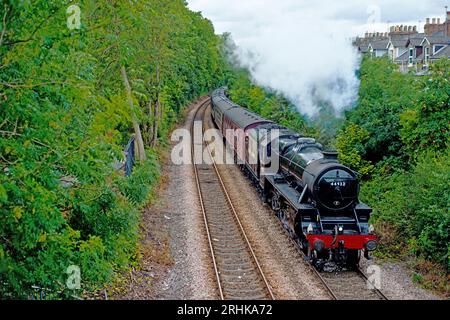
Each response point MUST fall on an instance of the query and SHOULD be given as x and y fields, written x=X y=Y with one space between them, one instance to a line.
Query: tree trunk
x=149 y=132
x=140 y=150
x=155 y=123
x=156 y=110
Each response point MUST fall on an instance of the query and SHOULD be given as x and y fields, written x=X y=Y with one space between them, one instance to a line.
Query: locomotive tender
x=314 y=195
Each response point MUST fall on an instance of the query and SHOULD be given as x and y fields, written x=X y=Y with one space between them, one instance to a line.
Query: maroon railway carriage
x=235 y=123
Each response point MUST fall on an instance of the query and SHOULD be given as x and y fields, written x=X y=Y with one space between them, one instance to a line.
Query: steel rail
x=378 y=291
x=205 y=219
x=241 y=227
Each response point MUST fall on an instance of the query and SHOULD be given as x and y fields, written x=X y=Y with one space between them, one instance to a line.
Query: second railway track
x=351 y=285
x=236 y=267
x=343 y=285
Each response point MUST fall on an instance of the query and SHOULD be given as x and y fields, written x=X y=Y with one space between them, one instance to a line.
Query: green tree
x=426 y=126
x=350 y=145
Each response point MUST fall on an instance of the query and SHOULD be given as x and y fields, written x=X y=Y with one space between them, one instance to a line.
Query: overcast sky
x=301 y=47
x=237 y=15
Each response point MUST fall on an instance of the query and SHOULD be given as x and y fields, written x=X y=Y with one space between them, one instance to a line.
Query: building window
x=437 y=48
x=391 y=53
x=411 y=55
x=427 y=54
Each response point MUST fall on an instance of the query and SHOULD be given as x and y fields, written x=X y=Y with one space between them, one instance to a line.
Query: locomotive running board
x=290 y=194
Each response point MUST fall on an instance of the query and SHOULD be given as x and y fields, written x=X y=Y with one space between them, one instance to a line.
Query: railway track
x=351 y=285
x=237 y=270
x=342 y=285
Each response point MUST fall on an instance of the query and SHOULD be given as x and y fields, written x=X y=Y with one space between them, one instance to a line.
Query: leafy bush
x=426 y=126
x=416 y=205
x=384 y=94
x=100 y=236
x=136 y=188
x=399 y=134
x=350 y=145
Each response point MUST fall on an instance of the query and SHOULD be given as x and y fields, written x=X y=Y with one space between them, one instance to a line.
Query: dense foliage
x=66 y=114
x=398 y=138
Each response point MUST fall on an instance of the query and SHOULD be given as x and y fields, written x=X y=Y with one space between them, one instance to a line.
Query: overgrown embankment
x=66 y=113
x=398 y=139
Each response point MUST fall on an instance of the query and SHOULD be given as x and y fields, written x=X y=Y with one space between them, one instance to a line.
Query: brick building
x=434 y=27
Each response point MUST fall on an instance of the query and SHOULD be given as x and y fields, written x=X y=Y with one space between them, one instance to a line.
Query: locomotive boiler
x=314 y=196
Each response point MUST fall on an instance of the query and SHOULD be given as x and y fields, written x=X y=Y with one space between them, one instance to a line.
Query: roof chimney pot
x=428 y=21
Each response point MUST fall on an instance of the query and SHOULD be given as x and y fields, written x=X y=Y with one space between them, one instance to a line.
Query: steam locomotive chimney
x=330 y=155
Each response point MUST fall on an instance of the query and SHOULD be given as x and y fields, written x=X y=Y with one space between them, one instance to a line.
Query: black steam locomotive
x=314 y=195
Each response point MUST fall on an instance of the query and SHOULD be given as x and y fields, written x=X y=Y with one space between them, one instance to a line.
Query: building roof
x=404 y=40
x=403 y=57
x=363 y=44
x=394 y=36
x=415 y=42
x=379 y=44
x=399 y=43
x=439 y=33
x=437 y=39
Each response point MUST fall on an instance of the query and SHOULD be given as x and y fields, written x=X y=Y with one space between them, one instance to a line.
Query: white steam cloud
x=303 y=48
x=310 y=63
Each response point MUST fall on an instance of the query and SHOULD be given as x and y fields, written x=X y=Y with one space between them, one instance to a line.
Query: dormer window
x=437 y=47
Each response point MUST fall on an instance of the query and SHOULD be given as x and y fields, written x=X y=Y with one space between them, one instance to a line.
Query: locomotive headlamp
x=371 y=245
x=310 y=229
x=341 y=229
x=371 y=229
x=319 y=245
